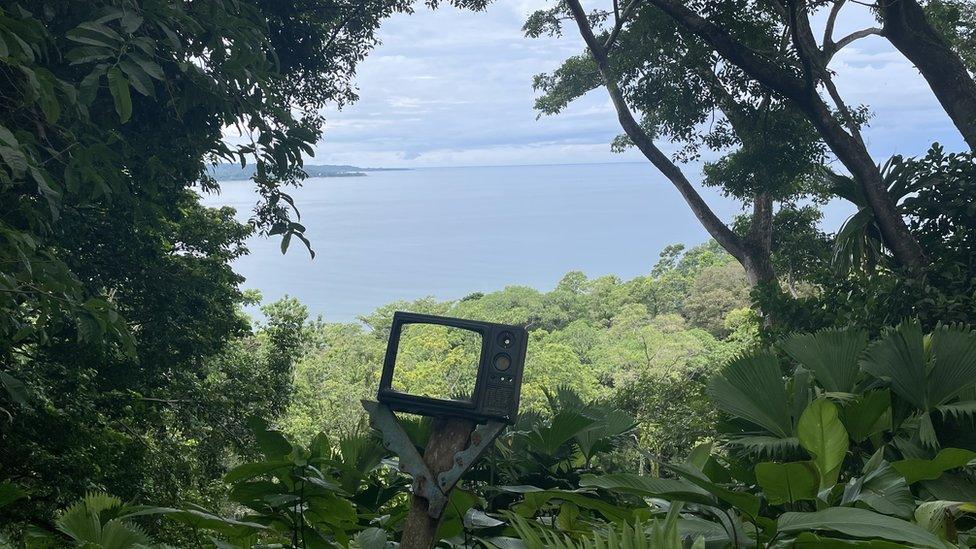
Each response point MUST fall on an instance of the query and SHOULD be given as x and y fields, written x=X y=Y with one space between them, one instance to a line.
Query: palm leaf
x=959 y=410
x=832 y=355
x=899 y=359
x=953 y=367
x=751 y=387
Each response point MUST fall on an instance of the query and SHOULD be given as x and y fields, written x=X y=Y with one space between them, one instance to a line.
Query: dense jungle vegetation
x=778 y=386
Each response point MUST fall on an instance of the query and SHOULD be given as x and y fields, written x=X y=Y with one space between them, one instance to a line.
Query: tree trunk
x=759 y=243
x=907 y=28
x=715 y=227
x=448 y=436
x=802 y=93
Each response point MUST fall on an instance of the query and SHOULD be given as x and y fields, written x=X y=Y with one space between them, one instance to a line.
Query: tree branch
x=737 y=53
x=619 y=19
x=815 y=64
x=831 y=48
x=831 y=19
x=715 y=227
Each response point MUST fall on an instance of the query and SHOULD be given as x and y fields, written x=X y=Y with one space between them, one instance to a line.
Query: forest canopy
x=776 y=386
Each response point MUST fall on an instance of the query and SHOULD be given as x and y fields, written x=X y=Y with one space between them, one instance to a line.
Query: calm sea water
x=447 y=232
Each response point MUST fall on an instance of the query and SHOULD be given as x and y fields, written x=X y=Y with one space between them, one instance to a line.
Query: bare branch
x=620 y=19
x=831 y=19
x=715 y=227
x=830 y=49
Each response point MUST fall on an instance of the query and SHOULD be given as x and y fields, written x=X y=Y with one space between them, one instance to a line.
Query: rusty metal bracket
x=396 y=440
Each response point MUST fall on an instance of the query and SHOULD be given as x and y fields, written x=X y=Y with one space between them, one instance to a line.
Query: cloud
x=453 y=87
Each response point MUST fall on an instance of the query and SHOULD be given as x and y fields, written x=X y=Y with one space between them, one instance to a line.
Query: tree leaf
x=788 y=482
x=741 y=501
x=859 y=523
x=118 y=85
x=822 y=434
x=138 y=78
x=809 y=539
x=934 y=516
x=915 y=470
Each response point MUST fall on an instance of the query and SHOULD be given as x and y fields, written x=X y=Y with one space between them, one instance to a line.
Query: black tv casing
x=496 y=393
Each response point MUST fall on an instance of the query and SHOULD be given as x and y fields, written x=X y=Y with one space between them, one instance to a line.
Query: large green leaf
x=915 y=470
x=934 y=516
x=10 y=493
x=859 y=523
x=832 y=355
x=868 y=414
x=667 y=488
x=535 y=498
x=822 y=434
x=272 y=443
x=742 y=501
x=251 y=470
x=953 y=368
x=14 y=388
x=609 y=423
x=811 y=540
x=751 y=387
x=564 y=426
x=788 y=482
x=882 y=489
x=899 y=358
x=118 y=86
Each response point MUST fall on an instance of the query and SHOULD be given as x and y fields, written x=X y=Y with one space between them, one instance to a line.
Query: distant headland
x=234 y=172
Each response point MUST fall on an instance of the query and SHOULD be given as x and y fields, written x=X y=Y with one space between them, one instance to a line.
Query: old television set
x=442 y=366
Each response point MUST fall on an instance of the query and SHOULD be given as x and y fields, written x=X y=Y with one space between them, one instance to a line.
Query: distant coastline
x=234 y=172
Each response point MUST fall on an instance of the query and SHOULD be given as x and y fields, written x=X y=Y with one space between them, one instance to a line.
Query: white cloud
x=453 y=87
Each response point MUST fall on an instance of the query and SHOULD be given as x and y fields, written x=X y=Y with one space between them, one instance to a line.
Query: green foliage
x=125 y=362
x=864 y=286
x=642 y=343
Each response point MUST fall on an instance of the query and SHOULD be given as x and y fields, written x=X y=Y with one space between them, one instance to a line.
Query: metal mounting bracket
x=396 y=440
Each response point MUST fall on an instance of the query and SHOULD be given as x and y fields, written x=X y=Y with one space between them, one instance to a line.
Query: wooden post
x=448 y=436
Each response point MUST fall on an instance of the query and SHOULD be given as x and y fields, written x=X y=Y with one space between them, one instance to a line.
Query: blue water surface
x=447 y=232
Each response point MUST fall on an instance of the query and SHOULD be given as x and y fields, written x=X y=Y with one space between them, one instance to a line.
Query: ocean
x=448 y=232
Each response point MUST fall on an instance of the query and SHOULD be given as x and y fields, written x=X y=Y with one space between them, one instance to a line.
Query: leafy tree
x=715 y=293
x=120 y=330
x=664 y=84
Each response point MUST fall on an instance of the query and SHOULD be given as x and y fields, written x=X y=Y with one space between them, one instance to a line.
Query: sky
x=451 y=87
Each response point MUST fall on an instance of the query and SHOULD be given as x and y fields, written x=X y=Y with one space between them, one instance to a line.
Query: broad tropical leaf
x=667 y=488
x=868 y=414
x=535 y=498
x=832 y=355
x=953 y=369
x=881 y=488
x=928 y=372
x=788 y=482
x=859 y=523
x=823 y=435
x=751 y=387
x=915 y=470
x=567 y=424
x=10 y=493
x=899 y=358
x=935 y=516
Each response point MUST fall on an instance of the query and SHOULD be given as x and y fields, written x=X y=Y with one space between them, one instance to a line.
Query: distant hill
x=234 y=172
